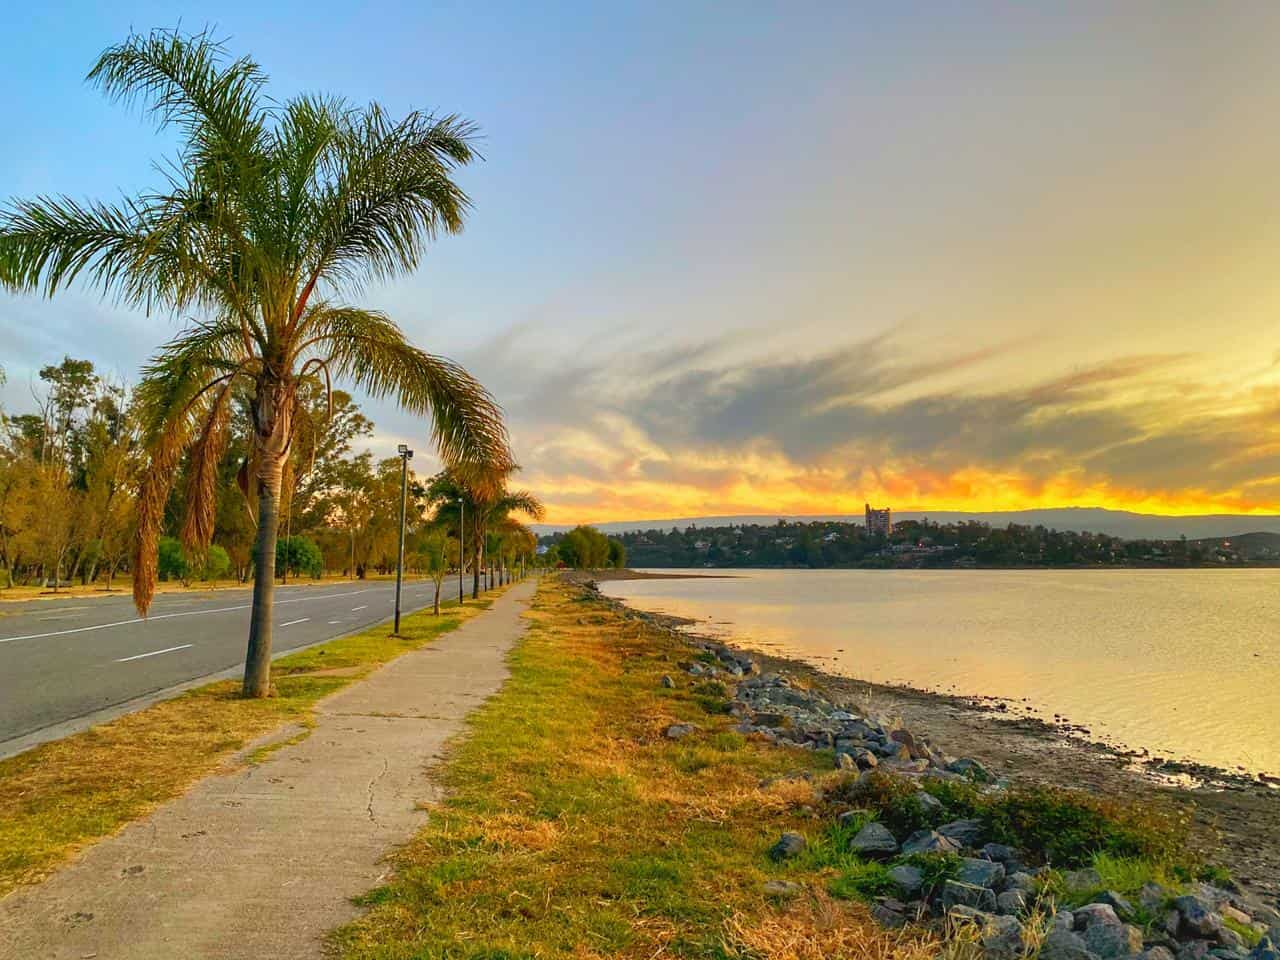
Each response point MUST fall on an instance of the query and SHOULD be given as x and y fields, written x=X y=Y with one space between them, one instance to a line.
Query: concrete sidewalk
x=261 y=863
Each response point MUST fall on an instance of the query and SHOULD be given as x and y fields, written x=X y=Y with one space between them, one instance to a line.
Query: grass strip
x=573 y=827
x=63 y=795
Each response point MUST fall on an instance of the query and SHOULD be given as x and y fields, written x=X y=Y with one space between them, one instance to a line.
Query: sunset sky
x=756 y=258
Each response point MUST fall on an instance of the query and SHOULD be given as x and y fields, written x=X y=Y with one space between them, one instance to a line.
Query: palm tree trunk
x=475 y=576
x=273 y=409
x=257 y=665
x=436 y=611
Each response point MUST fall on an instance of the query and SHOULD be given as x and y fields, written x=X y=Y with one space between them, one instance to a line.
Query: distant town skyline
x=783 y=261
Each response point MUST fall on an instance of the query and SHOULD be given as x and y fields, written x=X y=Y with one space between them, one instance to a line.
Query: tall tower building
x=879 y=521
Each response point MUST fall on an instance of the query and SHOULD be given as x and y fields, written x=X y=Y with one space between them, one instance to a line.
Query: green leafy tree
x=585 y=548
x=171 y=561
x=216 y=565
x=299 y=555
x=617 y=554
x=273 y=211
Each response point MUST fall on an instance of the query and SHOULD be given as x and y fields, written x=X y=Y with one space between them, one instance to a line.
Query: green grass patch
x=863 y=881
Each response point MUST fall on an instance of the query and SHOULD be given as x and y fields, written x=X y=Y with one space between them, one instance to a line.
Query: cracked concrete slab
x=263 y=862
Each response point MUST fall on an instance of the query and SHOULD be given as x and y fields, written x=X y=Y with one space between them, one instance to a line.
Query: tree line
x=914 y=543
x=70 y=472
x=584 y=548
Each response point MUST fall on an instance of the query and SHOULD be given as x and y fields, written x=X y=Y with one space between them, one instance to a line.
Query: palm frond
x=370 y=350
x=391 y=194
x=182 y=81
x=202 y=472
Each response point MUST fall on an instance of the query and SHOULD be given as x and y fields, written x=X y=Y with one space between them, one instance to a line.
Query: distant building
x=879 y=521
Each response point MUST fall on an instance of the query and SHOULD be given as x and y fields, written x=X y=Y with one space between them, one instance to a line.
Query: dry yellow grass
x=61 y=796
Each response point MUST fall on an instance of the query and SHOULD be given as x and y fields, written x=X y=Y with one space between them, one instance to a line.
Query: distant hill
x=1116 y=523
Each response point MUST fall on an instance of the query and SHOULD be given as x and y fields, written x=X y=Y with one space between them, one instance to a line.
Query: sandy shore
x=1236 y=820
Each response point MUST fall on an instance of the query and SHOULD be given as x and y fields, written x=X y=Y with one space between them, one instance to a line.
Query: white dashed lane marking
x=154 y=653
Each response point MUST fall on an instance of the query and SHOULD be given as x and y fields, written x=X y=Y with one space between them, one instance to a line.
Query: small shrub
x=960 y=799
x=1069 y=829
x=892 y=798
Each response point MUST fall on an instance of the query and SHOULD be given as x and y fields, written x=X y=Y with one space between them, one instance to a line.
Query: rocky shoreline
x=992 y=890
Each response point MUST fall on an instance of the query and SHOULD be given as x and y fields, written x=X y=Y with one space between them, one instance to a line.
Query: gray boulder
x=886 y=916
x=893 y=750
x=1021 y=881
x=1199 y=919
x=968 y=767
x=908 y=878
x=1064 y=945
x=1062 y=920
x=929 y=804
x=678 y=731
x=874 y=840
x=999 y=852
x=668 y=683
x=1003 y=939
x=957 y=893
x=1113 y=940
x=1158 y=952
x=965 y=833
x=1011 y=903
x=928 y=841
x=863 y=757
x=1123 y=908
x=1092 y=914
x=789 y=845
x=1194 y=950
x=980 y=873
x=845 y=762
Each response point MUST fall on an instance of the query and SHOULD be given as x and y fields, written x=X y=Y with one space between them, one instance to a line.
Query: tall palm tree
x=486 y=503
x=270 y=215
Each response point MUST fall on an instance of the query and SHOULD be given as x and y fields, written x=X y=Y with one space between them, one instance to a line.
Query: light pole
x=462 y=545
x=405 y=456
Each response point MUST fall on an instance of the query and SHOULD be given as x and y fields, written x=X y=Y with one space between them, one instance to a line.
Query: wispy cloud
x=679 y=430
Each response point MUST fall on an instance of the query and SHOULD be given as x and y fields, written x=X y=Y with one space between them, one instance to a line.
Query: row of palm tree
x=483 y=516
x=272 y=216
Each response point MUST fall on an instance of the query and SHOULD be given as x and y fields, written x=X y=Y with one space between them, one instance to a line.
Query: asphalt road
x=63 y=660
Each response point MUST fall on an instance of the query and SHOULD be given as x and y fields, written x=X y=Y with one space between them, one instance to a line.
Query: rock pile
x=780 y=709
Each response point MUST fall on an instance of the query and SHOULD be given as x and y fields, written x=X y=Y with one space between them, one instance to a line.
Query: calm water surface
x=1185 y=663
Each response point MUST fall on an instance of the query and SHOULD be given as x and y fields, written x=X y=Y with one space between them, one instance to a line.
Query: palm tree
x=487 y=502
x=272 y=212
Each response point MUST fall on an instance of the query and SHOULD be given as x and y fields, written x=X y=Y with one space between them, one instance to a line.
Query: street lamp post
x=405 y=456
x=462 y=545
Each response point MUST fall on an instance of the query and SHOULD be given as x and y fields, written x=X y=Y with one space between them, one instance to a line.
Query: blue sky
x=756 y=257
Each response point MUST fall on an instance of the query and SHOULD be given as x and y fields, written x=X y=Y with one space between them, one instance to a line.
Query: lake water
x=1184 y=663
